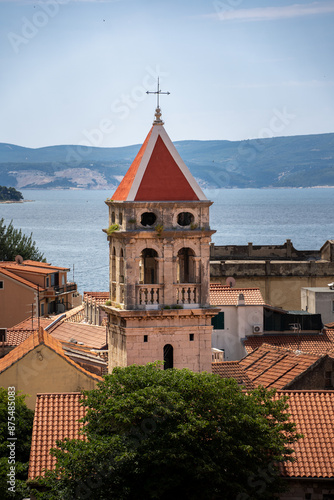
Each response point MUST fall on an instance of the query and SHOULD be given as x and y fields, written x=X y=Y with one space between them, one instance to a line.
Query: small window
x=145 y=338
x=3 y=334
x=218 y=321
x=191 y=337
x=113 y=218
x=185 y=219
x=120 y=218
x=42 y=309
x=148 y=219
x=1 y=285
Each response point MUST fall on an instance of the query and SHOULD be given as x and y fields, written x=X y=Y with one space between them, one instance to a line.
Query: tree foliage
x=155 y=434
x=23 y=420
x=10 y=194
x=13 y=242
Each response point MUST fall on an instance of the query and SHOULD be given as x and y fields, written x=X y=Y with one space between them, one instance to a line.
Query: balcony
x=150 y=296
x=69 y=287
x=187 y=294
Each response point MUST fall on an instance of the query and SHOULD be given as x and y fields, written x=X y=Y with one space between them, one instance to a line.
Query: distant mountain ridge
x=296 y=161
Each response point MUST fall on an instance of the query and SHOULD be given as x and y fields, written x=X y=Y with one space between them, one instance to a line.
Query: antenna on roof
x=19 y=259
x=230 y=281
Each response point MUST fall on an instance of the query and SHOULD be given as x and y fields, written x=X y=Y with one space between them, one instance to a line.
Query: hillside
x=299 y=161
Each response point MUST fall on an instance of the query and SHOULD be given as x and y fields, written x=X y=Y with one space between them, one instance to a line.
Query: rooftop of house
x=31 y=266
x=6 y=272
x=276 y=367
x=315 y=343
x=97 y=297
x=81 y=333
x=34 y=340
x=313 y=414
x=223 y=295
x=233 y=369
x=158 y=173
x=57 y=415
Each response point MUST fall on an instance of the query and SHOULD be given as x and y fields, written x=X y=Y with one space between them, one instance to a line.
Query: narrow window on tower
x=145 y=338
x=191 y=337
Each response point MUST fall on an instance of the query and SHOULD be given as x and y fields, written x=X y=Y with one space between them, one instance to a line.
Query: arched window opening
x=149 y=266
x=121 y=266
x=186 y=266
x=113 y=217
x=120 y=218
x=113 y=264
x=148 y=219
x=168 y=356
x=185 y=219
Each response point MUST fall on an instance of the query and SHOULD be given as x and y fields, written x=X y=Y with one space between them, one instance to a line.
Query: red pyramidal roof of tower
x=158 y=173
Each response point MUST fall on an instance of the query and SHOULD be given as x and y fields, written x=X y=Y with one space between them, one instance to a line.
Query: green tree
x=13 y=242
x=10 y=194
x=159 y=434
x=16 y=420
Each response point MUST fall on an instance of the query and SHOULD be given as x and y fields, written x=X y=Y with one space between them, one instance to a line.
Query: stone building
x=159 y=240
x=279 y=271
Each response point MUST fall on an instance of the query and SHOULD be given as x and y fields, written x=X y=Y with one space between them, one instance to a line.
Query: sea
x=66 y=225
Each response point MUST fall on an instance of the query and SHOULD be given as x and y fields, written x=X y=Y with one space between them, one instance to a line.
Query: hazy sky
x=76 y=71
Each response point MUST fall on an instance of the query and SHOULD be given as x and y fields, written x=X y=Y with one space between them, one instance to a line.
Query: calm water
x=67 y=225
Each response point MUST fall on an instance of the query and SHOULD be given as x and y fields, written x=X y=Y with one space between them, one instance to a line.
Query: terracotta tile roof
x=34 y=340
x=89 y=335
x=330 y=325
x=33 y=323
x=13 y=276
x=31 y=267
x=271 y=366
x=158 y=173
x=313 y=413
x=97 y=297
x=36 y=263
x=221 y=295
x=312 y=343
x=232 y=369
x=56 y=417
x=16 y=337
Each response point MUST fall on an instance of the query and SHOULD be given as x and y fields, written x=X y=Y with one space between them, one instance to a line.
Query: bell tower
x=159 y=237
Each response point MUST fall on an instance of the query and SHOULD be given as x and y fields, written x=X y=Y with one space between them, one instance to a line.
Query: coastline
x=15 y=201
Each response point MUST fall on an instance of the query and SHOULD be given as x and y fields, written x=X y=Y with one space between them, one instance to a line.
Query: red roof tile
x=34 y=340
x=158 y=173
x=271 y=366
x=56 y=417
x=13 y=276
x=232 y=369
x=313 y=413
x=89 y=335
x=312 y=343
x=222 y=295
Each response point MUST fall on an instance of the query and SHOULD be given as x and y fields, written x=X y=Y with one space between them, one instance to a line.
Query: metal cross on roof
x=158 y=92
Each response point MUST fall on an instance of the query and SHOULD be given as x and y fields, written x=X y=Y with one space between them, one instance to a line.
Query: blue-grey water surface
x=67 y=224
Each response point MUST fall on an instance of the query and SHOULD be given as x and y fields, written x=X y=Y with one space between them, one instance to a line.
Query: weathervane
x=158 y=110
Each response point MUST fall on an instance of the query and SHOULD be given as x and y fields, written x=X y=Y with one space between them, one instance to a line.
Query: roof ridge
x=35 y=339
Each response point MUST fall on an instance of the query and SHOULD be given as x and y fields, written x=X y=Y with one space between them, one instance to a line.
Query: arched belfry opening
x=168 y=356
x=186 y=272
x=149 y=266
